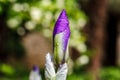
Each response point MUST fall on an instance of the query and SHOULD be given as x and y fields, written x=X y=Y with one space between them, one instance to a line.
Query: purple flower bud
x=34 y=74
x=35 y=68
x=61 y=36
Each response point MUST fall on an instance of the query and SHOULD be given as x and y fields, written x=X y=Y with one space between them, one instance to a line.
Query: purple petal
x=66 y=38
x=61 y=24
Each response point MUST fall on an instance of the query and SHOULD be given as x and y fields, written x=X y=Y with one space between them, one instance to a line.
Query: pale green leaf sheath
x=59 y=54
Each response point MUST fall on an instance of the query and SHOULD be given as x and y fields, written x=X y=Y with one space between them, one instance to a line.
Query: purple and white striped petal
x=62 y=72
x=49 y=68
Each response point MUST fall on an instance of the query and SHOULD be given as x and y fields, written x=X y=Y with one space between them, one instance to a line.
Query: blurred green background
x=26 y=28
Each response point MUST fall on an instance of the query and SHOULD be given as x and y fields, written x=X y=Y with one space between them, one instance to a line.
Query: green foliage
x=111 y=73
x=40 y=15
x=7 y=69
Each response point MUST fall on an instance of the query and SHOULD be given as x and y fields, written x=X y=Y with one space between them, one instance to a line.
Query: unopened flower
x=61 y=36
x=34 y=74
